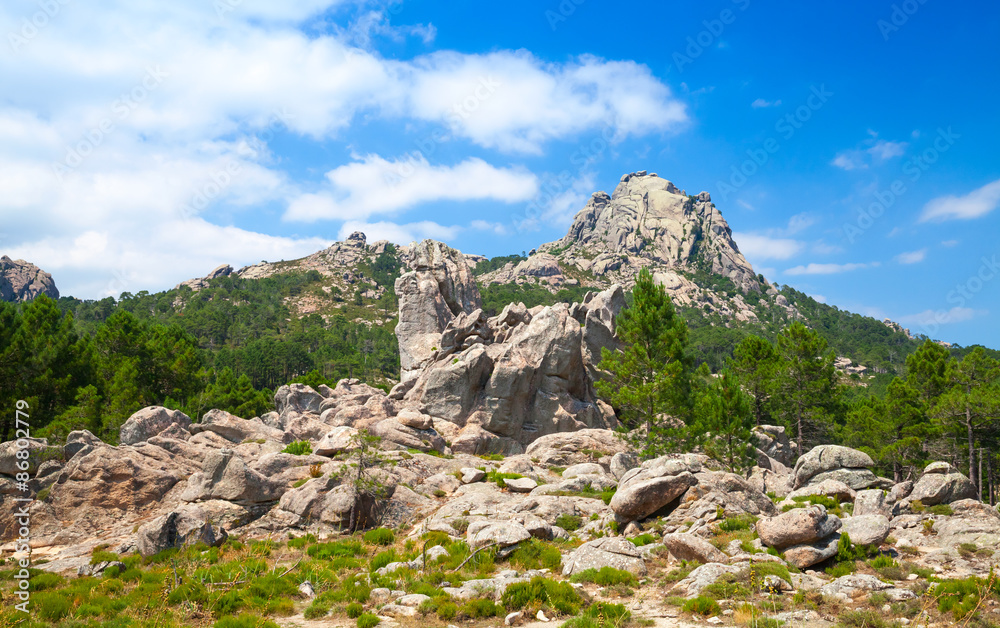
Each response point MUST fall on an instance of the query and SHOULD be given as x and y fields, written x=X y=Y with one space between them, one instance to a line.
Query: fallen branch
x=459 y=568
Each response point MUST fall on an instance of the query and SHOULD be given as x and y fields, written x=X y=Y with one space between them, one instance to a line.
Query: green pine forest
x=91 y=364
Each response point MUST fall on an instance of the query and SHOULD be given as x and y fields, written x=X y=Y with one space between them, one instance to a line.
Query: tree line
x=941 y=407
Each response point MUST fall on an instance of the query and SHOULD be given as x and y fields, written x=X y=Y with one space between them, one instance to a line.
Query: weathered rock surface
x=646 y=489
x=872 y=502
x=942 y=484
x=149 y=422
x=809 y=554
x=825 y=458
x=226 y=476
x=607 y=552
x=179 y=528
x=797 y=526
x=23 y=281
x=691 y=547
x=866 y=529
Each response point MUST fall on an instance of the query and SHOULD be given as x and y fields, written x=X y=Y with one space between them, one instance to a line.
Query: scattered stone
x=691 y=547
x=605 y=552
x=646 y=489
x=470 y=475
x=797 y=526
x=521 y=485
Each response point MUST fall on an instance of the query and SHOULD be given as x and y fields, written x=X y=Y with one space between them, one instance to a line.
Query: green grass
x=643 y=539
x=600 y=615
x=737 y=523
x=477 y=609
x=568 y=522
x=380 y=536
x=865 y=619
x=498 y=477
x=701 y=605
x=605 y=576
x=325 y=551
x=368 y=620
x=558 y=596
x=536 y=554
x=298 y=448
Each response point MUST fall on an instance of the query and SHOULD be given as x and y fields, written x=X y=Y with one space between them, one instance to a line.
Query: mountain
x=23 y=281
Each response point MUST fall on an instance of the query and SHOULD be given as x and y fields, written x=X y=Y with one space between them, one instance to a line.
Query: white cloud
x=818 y=297
x=826 y=269
x=849 y=160
x=744 y=204
x=761 y=247
x=372 y=185
x=912 y=257
x=483 y=225
x=799 y=223
x=399 y=234
x=760 y=102
x=950 y=243
x=975 y=204
x=942 y=317
x=884 y=150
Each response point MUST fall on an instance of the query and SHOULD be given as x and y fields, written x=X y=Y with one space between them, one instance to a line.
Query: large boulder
x=500 y=533
x=612 y=551
x=872 y=502
x=809 y=554
x=942 y=484
x=826 y=458
x=337 y=441
x=772 y=441
x=236 y=429
x=38 y=451
x=439 y=288
x=178 y=528
x=149 y=422
x=80 y=440
x=226 y=476
x=692 y=547
x=298 y=399
x=325 y=500
x=568 y=448
x=797 y=526
x=866 y=529
x=648 y=488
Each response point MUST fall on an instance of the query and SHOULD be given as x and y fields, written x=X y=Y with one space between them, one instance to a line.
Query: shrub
x=569 y=522
x=354 y=610
x=600 y=615
x=382 y=559
x=864 y=619
x=50 y=606
x=643 y=539
x=316 y=610
x=368 y=620
x=45 y=580
x=941 y=509
x=380 y=536
x=882 y=560
x=560 y=596
x=324 y=551
x=475 y=609
x=701 y=605
x=298 y=448
x=735 y=524
x=498 y=477
x=960 y=597
x=315 y=470
x=841 y=569
x=536 y=554
x=460 y=525
x=447 y=610
x=605 y=576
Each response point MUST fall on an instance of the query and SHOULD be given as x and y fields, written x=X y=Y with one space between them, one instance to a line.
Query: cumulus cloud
x=762 y=247
x=850 y=160
x=912 y=257
x=975 y=204
x=883 y=150
x=826 y=269
x=495 y=227
x=159 y=119
x=761 y=103
x=374 y=185
x=872 y=149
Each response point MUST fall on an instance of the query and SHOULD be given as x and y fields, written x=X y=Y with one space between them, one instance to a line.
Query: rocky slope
x=23 y=281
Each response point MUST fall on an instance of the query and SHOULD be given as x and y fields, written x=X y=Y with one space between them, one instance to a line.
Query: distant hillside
x=23 y=281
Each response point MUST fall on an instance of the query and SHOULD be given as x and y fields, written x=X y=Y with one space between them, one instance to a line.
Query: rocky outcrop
x=834 y=462
x=200 y=283
x=797 y=526
x=23 y=281
x=652 y=486
x=941 y=483
x=179 y=528
x=149 y=422
x=500 y=396
x=439 y=287
x=225 y=476
x=614 y=552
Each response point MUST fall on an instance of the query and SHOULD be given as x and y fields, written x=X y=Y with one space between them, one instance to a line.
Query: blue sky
x=851 y=146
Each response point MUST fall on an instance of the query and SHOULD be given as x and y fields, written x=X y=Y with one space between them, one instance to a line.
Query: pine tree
x=755 y=363
x=971 y=402
x=649 y=383
x=927 y=370
x=807 y=395
x=724 y=413
x=893 y=430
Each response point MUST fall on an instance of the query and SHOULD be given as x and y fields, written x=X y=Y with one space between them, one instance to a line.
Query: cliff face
x=23 y=281
x=647 y=221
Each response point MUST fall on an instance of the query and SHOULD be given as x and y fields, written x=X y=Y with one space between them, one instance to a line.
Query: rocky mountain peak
x=648 y=222
x=23 y=281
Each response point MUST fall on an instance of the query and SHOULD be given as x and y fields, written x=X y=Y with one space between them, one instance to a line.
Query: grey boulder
x=612 y=551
